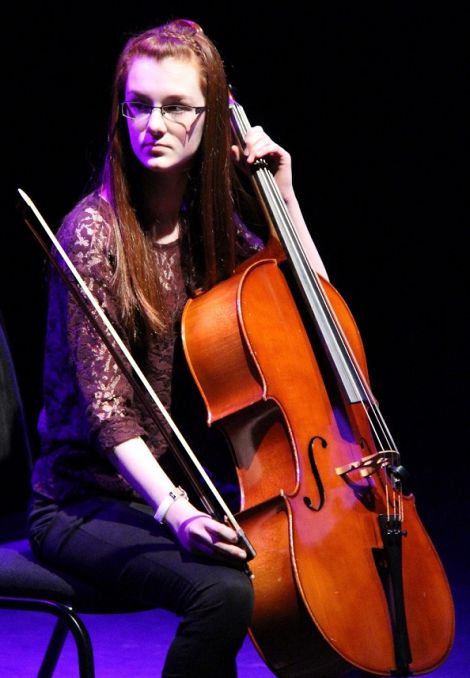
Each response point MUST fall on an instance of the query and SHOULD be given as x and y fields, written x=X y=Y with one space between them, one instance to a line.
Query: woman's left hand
x=259 y=145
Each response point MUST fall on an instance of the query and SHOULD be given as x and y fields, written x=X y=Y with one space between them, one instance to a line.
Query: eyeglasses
x=141 y=112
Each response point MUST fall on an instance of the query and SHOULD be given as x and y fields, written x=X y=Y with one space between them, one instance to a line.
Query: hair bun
x=185 y=26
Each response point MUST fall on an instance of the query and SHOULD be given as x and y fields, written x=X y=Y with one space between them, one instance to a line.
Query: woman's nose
x=156 y=120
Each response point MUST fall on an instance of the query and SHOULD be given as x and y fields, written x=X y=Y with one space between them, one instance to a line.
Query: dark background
x=369 y=99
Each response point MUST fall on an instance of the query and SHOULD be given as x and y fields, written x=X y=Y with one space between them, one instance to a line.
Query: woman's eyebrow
x=138 y=95
x=179 y=96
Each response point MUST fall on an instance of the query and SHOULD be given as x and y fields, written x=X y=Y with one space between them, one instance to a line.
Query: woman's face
x=159 y=143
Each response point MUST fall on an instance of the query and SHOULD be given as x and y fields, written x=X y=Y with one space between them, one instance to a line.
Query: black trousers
x=118 y=545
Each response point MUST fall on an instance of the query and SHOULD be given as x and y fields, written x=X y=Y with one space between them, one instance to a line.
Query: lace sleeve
x=107 y=395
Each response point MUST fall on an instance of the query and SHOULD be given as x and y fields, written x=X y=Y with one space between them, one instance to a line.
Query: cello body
x=325 y=571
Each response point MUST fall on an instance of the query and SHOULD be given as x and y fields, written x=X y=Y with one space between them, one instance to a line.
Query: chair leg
x=56 y=643
x=67 y=620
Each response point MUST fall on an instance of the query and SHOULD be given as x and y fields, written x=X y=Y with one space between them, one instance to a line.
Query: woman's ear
x=236 y=153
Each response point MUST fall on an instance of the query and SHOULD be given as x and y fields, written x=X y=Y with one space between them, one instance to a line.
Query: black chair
x=25 y=584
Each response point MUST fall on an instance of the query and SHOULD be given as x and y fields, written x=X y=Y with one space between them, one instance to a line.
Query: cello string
x=279 y=215
x=277 y=204
x=350 y=365
x=372 y=413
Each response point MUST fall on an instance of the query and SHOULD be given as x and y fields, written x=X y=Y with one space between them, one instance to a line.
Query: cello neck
x=354 y=385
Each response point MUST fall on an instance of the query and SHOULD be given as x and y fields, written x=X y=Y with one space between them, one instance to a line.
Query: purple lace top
x=89 y=406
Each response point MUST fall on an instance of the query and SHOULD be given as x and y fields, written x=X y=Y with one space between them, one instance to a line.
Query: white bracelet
x=173 y=495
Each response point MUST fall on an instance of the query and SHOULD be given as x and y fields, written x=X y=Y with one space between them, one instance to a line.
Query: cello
x=345 y=573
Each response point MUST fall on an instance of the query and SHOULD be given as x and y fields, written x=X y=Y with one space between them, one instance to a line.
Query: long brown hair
x=210 y=232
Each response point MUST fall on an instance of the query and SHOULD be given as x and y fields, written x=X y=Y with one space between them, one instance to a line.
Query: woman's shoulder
x=88 y=224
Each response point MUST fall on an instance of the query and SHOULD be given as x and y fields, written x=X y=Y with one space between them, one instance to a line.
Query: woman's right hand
x=198 y=533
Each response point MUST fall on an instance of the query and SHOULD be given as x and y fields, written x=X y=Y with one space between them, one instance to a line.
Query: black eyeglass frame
x=163 y=109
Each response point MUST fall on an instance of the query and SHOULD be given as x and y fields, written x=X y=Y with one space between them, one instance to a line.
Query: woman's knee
x=231 y=598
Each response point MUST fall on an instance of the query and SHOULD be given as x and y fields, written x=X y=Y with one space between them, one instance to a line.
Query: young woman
x=162 y=223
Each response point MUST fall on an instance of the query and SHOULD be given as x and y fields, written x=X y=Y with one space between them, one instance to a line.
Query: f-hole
x=316 y=475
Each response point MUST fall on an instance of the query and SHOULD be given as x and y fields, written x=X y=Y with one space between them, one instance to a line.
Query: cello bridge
x=371 y=464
